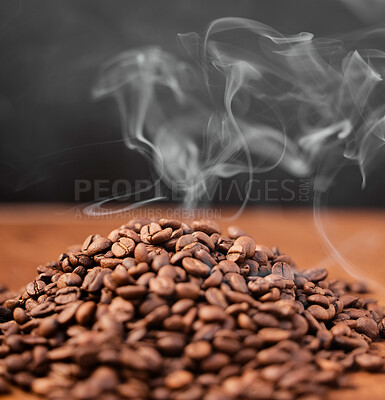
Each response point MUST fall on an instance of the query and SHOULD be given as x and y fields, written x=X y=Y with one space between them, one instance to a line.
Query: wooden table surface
x=34 y=234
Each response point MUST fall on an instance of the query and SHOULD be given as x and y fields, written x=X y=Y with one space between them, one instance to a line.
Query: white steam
x=247 y=100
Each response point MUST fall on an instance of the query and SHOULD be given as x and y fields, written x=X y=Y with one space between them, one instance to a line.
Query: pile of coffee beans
x=164 y=310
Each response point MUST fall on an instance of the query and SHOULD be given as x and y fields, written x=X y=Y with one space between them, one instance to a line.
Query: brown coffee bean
x=169 y=223
x=98 y=246
x=137 y=270
x=20 y=316
x=212 y=313
x=319 y=299
x=216 y=297
x=128 y=233
x=122 y=310
x=141 y=253
x=369 y=362
x=172 y=344
x=184 y=241
x=315 y=274
x=321 y=313
x=215 y=362
x=187 y=290
x=67 y=295
x=368 y=327
x=227 y=345
x=238 y=283
x=178 y=379
x=68 y=313
x=235 y=232
x=123 y=248
x=283 y=269
x=227 y=266
x=182 y=306
x=36 y=288
x=131 y=292
x=42 y=310
x=85 y=313
x=162 y=285
x=205 y=239
x=273 y=335
x=215 y=279
x=93 y=281
x=198 y=350
x=48 y=327
x=17 y=362
x=69 y=279
x=206 y=226
x=195 y=267
x=245 y=322
x=148 y=231
x=236 y=254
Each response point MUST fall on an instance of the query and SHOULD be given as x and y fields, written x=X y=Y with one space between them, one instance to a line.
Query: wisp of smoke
x=245 y=99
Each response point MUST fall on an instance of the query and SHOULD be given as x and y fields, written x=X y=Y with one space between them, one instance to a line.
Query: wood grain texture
x=34 y=234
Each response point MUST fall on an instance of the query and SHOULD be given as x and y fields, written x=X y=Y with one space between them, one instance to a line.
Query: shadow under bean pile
x=163 y=310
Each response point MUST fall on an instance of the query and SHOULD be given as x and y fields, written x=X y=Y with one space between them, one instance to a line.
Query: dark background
x=50 y=55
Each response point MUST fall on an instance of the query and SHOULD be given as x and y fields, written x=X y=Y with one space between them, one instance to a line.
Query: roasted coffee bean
x=36 y=288
x=215 y=279
x=98 y=245
x=169 y=223
x=93 y=281
x=141 y=253
x=185 y=240
x=89 y=239
x=283 y=269
x=206 y=226
x=48 y=327
x=123 y=247
x=216 y=297
x=187 y=290
x=162 y=285
x=321 y=313
x=198 y=350
x=319 y=299
x=238 y=283
x=195 y=267
x=85 y=313
x=315 y=274
x=235 y=232
x=137 y=270
x=148 y=231
x=367 y=326
x=131 y=292
x=205 y=239
x=369 y=362
x=67 y=295
x=128 y=233
x=215 y=362
x=42 y=309
x=178 y=379
x=68 y=313
x=69 y=279
x=243 y=247
x=226 y=266
x=212 y=313
x=20 y=316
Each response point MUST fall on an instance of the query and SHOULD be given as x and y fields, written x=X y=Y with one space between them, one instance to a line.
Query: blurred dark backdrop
x=50 y=54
